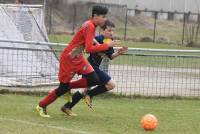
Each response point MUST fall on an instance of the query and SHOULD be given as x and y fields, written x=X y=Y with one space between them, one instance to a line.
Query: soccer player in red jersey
x=73 y=62
x=95 y=59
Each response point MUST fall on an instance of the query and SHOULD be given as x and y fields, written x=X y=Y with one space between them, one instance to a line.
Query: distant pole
x=50 y=16
x=126 y=20
x=44 y=9
x=183 y=34
x=185 y=5
x=45 y=2
x=154 y=32
x=74 y=19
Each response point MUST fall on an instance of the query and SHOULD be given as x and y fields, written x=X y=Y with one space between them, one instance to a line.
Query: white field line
x=42 y=125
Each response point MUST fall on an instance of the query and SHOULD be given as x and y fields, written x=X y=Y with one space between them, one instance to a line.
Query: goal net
x=23 y=60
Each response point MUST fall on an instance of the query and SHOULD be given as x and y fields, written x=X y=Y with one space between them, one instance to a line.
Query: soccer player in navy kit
x=95 y=59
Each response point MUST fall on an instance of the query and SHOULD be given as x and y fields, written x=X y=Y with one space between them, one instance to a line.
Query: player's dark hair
x=108 y=23
x=99 y=10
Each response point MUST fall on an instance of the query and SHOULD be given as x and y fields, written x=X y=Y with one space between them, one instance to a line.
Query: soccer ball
x=149 y=122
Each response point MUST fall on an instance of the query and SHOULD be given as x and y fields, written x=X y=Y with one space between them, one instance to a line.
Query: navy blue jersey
x=95 y=59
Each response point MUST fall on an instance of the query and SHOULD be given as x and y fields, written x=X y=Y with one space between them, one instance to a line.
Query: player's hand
x=122 y=50
x=114 y=43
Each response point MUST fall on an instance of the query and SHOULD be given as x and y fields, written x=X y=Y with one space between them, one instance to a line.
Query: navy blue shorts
x=103 y=76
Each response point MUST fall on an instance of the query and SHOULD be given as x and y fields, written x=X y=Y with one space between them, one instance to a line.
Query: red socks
x=81 y=83
x=51 y=97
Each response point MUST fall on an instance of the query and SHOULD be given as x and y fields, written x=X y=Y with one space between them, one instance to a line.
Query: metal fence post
x=50 y=17
x=197 y=31
x=183 y=34
x=154 y=32
x=126 y=20
x=74 y=20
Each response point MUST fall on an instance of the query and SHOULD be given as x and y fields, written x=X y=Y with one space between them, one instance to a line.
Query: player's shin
x=53 y=95
x=75 y=99
x=67 y=108
x=90 y=93
x=97 y=90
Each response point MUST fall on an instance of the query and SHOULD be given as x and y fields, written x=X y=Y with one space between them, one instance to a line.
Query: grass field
x=112 y=115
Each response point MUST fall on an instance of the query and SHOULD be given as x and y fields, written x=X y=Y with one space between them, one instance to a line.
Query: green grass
x=60 y=38
x=112 y=115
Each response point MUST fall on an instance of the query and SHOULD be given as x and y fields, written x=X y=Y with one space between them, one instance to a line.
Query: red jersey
x=72 y=60
x=84 y=37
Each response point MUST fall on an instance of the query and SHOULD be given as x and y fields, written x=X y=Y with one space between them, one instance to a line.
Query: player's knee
x=92 y=79
x=110 y=85
x=62 y=89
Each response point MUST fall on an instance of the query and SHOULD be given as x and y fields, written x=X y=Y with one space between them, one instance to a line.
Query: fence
x=157 y=72
x=162 y=26
x=149 y=72
x=131 y=24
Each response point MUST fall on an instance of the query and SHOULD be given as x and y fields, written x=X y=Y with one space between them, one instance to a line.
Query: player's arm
x=89 y=47
x=89 y=36
x=95 y=41
x=119 y=52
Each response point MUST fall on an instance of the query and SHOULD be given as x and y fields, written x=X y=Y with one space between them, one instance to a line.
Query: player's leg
x=91 y=78
x=107 y=84
x=110 y=85
x=98 y=90
x=101 y=89
x=66 y=73
x=50 y=98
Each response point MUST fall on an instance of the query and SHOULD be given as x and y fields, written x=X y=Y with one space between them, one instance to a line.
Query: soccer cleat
x=68 y=111
x=42 y=111
x=88 y=101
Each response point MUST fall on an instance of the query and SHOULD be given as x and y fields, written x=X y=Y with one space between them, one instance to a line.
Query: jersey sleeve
x=89 y=36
